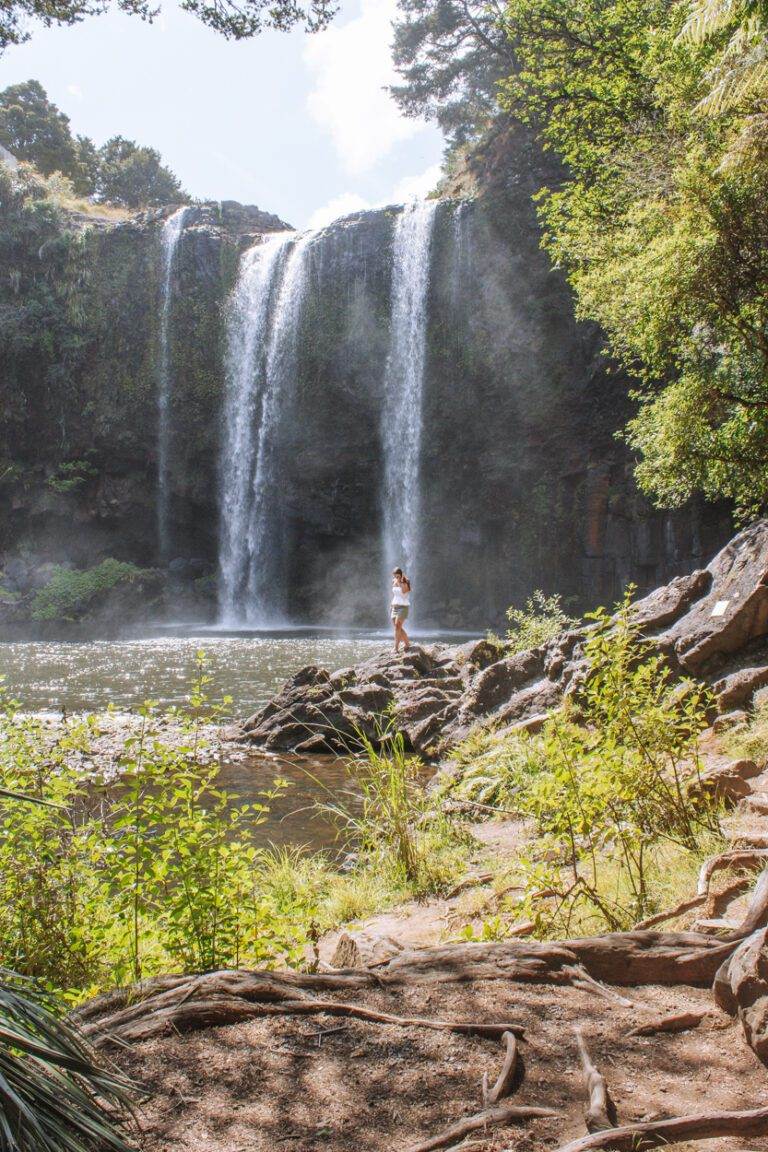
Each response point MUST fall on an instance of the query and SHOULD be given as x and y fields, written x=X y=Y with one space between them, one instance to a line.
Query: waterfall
x=247 y=328
x=403 y=385
x=263 y=321
x=171 y=235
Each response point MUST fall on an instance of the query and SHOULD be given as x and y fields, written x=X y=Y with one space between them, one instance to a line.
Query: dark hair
x=397 y=572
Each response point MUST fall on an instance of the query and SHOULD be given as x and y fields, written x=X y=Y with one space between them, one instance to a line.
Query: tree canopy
x=121 y=171
x=660 y=110
x=451 y=55
x=134 y=177
x=234 y=20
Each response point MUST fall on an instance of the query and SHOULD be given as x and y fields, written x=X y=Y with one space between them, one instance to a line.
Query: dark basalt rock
x=436 y=695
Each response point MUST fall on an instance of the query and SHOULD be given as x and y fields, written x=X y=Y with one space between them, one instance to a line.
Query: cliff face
x=523 y=484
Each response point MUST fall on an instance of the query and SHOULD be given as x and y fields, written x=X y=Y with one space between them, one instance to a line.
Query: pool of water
x=50 y=675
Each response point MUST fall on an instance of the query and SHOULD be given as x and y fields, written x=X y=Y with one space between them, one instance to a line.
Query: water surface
x=50 y=675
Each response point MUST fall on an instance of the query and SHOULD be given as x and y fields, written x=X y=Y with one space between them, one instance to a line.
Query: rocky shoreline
x=711 y=624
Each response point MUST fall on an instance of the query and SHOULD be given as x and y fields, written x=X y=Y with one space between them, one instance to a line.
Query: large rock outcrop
x=706 y=622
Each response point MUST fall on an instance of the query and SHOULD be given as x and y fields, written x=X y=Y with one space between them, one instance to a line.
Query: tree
x=451 y=54
x=662 y=225
x=234 y=20
x=135 y=177
x=33 y=129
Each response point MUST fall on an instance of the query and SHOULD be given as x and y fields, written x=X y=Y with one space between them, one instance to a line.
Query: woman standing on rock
x=401 y=603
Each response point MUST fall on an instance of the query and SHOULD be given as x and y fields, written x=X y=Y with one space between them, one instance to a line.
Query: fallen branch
x=601 y=1112
x=703 y=1126
x=504 y=1114
x=503 y=1085
x=679 y=1022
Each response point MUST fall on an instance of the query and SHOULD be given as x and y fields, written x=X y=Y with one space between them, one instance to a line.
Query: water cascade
x=404 y=384
x=263 y=321
x=171 y=235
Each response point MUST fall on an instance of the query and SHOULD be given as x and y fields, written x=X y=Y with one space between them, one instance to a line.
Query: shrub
x=69 y=594
x=399 y=831
x=161 y=873
x=613 y=804
x=541 y=620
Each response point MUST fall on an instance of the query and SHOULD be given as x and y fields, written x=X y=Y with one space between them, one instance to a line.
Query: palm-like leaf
x=53 y=1096
x=741 y=71
x=709 y=16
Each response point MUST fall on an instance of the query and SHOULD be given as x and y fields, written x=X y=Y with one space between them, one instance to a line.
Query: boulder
x=739 y=687
x=496 y=684
x=667 y=604
x=733 y=612
x=727 y=782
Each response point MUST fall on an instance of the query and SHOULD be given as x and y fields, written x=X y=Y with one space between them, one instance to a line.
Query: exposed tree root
x=671 y=913
x=219 y=998
x=679 y=1022
x=719 y=901
x=503 y=1085
x=703 y=1126
x=503 y=1114
x=738 y=858
x=601 y=1112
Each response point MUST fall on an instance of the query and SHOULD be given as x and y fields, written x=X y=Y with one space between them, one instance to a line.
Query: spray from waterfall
x=263 y=320
x=248 y=316
x=171 y=235
x=404 y=385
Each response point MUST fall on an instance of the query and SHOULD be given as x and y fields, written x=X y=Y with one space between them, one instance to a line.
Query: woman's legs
x=401 y=636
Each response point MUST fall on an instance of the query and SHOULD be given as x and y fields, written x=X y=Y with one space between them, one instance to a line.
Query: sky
x=299 y=124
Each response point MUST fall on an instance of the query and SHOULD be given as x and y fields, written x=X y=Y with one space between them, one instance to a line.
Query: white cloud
x=342 y=205
x=416 y=187
x=352 y=66
x=75 y=90
x=407 y=188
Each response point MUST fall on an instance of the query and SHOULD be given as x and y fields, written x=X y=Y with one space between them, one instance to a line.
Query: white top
x=400 y=599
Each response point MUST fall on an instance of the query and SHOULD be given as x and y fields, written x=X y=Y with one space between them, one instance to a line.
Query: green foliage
x=54 y=1093
x=741 y=69
x=235 y=20
x=398 y=830
x=662 y=224
x=615 y=793
x=120 y=172
x=494 y=771
x=70 y=475
x=135 y=177
x=34 y=129
x=69 y=593
x=541 y=620
x=160 y=872
x=450 y=55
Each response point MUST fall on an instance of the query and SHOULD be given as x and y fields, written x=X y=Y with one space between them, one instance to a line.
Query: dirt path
x=347 y=1086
